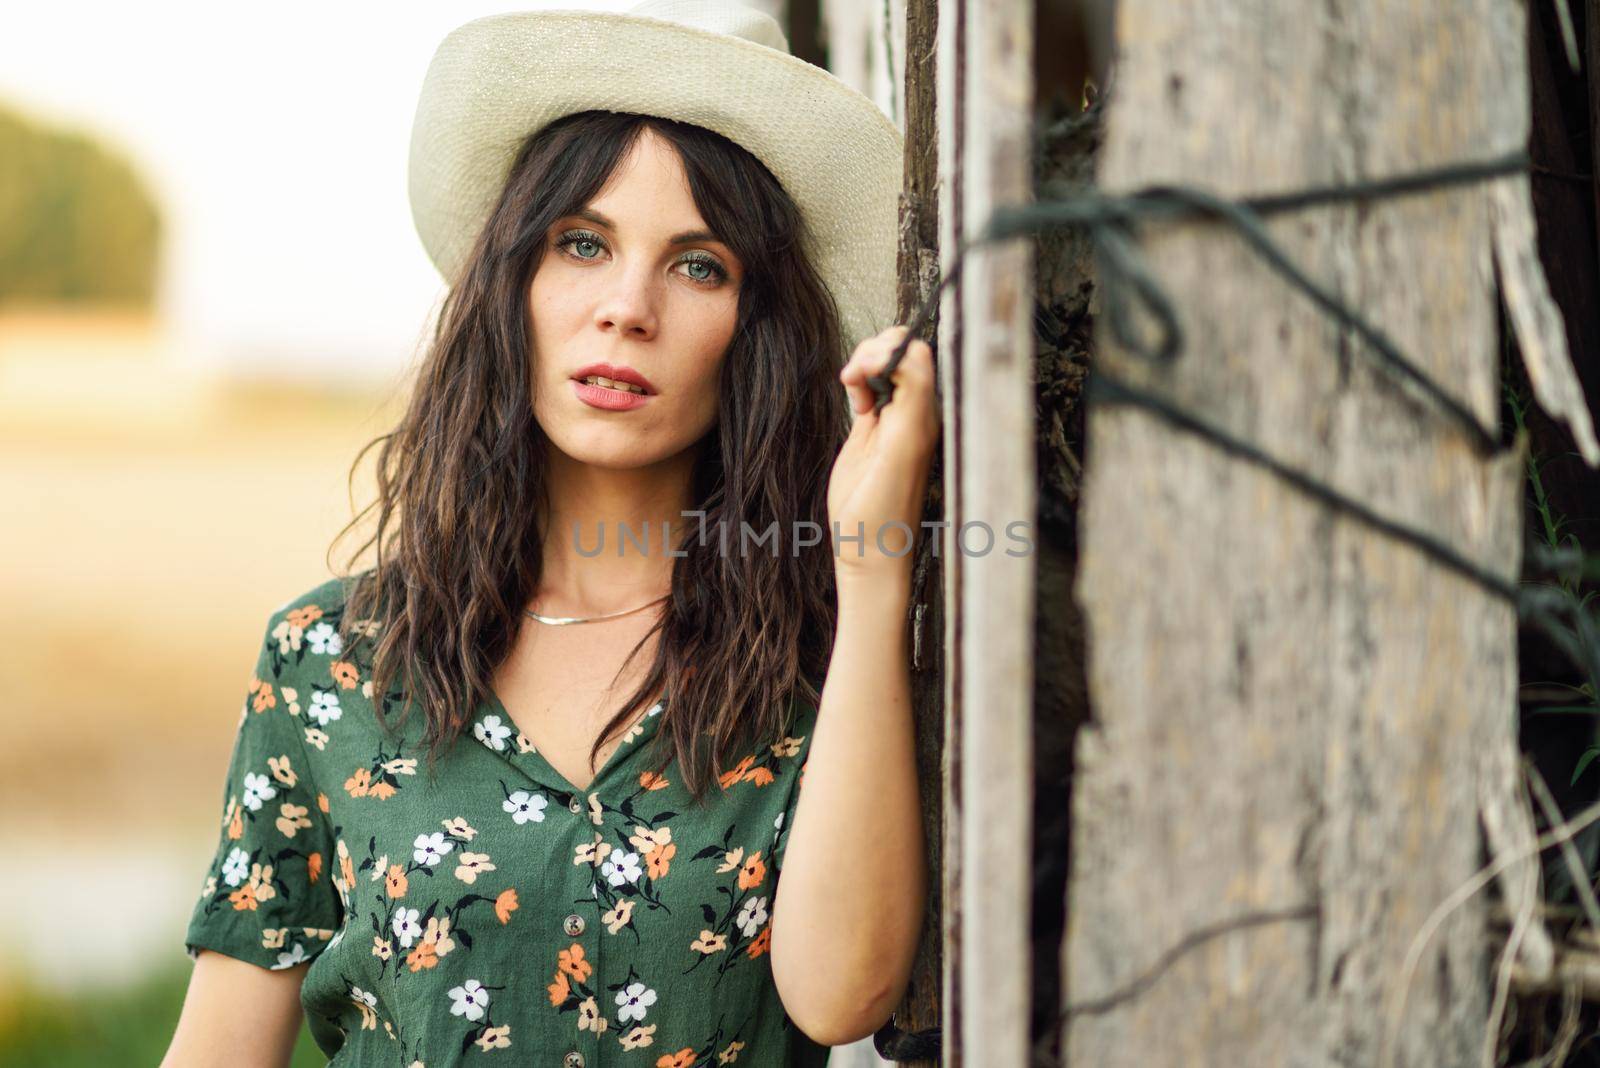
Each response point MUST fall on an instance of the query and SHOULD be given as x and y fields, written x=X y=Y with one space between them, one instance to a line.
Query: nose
x=628 y=306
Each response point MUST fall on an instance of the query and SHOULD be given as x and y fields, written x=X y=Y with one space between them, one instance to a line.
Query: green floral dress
x=497 y=915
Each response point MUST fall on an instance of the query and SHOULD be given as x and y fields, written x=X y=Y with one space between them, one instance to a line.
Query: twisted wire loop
x=1126 y=280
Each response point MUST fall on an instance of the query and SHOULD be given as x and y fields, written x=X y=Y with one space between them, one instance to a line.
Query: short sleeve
x=792 y=751
x=267 y=896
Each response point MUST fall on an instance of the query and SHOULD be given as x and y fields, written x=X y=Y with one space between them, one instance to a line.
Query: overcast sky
x=276 y=140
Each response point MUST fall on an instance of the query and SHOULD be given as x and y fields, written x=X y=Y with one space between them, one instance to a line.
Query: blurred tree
x=77 y=224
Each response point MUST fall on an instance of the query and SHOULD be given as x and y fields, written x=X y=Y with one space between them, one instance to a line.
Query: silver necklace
x=562 y=621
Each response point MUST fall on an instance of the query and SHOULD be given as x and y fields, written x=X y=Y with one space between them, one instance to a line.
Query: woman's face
x=633 y=281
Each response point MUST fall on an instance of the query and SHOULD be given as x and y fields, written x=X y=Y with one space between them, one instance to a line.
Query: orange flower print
x=236 y=823
x=759 y=776
x=345 y=674
x=559 y=989
x=293 y=818
x=281 y=770
x=657 y=859
x=618 y=917
x=422 y=956
x=728 y=778
x=396 y=884
x=303 y=616
x=709 y=943
x=360 y=783
x=639 y=1037
x=589 y=1018
x=752 y=872
x=473 y=865
x=263 y=699
x=571 y=961
x=505 y=904
x=347 y=867
x=437 y=934
x=495 y=1038
x=244 y=898
x=313 y=868
x=322 y=802
x=762 y=943
x=382 y=791
x=651 y=780
x=684 y=1058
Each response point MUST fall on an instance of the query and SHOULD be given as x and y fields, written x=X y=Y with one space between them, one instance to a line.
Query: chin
x=612 y=452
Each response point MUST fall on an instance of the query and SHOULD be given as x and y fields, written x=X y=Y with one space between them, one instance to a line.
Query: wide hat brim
x=495 y=80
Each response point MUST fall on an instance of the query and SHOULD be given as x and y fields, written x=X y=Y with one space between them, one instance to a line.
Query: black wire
x=1110 y=219
x=1104 y=388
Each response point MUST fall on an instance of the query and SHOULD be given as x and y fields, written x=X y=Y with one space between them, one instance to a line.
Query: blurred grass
x=130 y=1025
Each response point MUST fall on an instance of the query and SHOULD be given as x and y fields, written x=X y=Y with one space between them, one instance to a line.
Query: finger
x=876 y=347
x=870 y=356
x=911 y=417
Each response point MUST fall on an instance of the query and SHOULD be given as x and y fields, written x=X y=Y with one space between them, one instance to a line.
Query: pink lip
x=611 y=400
x=617 y=373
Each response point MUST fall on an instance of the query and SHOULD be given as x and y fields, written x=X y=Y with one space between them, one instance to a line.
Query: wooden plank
x=1291 y=711
x=950 y=82
x=919 y=273
x=995 y=487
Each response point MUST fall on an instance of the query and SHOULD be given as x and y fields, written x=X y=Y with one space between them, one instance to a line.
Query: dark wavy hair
x=461 y=478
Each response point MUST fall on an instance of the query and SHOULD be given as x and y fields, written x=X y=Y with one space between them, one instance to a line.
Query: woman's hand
x=880 y=477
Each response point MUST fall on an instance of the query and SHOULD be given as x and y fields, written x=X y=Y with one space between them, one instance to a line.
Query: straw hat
x=714 y=63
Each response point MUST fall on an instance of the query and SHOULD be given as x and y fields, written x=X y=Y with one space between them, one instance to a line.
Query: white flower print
x=751 y=916
x=469 y=999
x=324 y=707
x=325 y=640
x=257 y=788
x=406 y=927
x=293 y=957
x=236 y=869
x=430 y=848
x=365 y=997
x=632 y=1002
x=524 y=806
x=492 y=732
x=621 y=868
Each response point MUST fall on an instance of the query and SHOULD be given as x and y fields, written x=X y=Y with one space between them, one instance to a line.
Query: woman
x=598 y=559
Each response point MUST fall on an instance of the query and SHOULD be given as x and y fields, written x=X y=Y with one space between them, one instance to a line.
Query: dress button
x=573 y=925
x=576 y=806
x=573 y=1059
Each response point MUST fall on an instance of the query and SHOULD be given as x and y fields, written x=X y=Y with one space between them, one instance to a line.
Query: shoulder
x=305 y=635
x=326 y=598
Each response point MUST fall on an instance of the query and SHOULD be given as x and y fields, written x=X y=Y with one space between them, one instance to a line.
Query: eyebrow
x=685 y=238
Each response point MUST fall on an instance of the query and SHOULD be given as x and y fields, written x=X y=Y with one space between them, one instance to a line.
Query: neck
x=624 y=513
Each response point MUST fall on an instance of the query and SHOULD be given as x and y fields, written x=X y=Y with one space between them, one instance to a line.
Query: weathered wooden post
x=1297 y=719
x=985 y=78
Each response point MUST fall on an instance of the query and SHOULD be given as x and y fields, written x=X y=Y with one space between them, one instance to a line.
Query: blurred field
x=153 y=517
x=128 y=1024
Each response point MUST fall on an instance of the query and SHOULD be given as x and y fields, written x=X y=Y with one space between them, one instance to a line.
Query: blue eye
x=716 y=271
x=580 y=237
x=715 y=274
